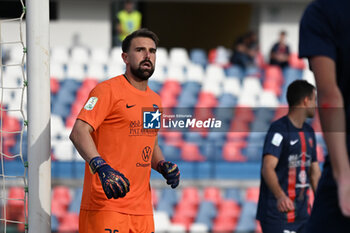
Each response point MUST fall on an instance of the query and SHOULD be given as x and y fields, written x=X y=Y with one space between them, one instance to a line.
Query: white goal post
x=38 y=73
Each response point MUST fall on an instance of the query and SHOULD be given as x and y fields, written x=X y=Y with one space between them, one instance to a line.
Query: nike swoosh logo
x=293 y=142
x=130 y=106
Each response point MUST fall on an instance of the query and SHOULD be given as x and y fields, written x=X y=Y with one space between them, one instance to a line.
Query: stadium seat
x=198 y=228
x=195 y=73
x=176 y=72
x=74 y=206
x=181 y=220
x=215 y=72
x=235 y=72
x=116 y=57
x=234 y=194
x=69 y=223
x=212 y=194
x=186 y=209
x=232 y=86
x=80 y=55
x=161 y=221
x=190 y=195
x=99 y=55
x=252 y=194
x=15 y=204
x=206 y=100
x=207 y=211
x=190 y=152
x=96 y=71
x=247 y=222
x=224 y=224
x=59 y=55
x=162 y=57
x=76 y=71
x=198 y=56
x=178 y=56
x=232 y=153
x=296 y=62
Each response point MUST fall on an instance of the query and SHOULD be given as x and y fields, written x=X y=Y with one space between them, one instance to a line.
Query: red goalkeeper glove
x=170 y=172
x=114 y=183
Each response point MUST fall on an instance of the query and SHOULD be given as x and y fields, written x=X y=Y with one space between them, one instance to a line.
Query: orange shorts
x=96 y=221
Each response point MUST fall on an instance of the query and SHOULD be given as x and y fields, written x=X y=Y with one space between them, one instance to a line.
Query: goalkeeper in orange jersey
x=118 y=149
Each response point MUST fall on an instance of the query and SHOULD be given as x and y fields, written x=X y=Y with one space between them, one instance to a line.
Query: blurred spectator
x=245 y=50
x=280 y=52
x=128 y=20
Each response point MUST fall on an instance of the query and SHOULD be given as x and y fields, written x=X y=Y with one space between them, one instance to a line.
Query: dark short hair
x=143 y=32
x=298 y=90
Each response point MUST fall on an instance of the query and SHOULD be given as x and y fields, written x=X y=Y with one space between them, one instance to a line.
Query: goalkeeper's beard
x=141 y=73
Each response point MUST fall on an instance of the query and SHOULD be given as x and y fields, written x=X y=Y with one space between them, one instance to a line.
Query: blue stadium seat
x=199 y=56
x=75 y=204
x=234 y=194
x=234 y=71
x=169 y=195
x=167 y=207
x=247 y=222
x=206 y=213
x=54 y=223
x=227 y=101
x=155 y=85
x=170 y=152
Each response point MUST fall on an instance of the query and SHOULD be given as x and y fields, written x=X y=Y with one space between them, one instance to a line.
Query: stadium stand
x=246 y=100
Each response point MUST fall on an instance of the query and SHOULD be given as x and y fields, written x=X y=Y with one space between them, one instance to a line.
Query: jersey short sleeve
x=316 y=36
x=98 y=105
x=274 y=141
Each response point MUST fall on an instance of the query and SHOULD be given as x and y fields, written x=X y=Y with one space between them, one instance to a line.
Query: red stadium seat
x=15 y=208
x=190 y=152
x=273 y=72
x=229 y=208
x=224 y=224
x=252 y=194
x=182 y=220
x=69 y=223
x=212 y=194
x=295 y=62
x=190 y=195
x=173 y=138
x=171 y=86
x=54 y=85
x=232 y=153
x=206 y=100
x=186 y=209
x=62 y=195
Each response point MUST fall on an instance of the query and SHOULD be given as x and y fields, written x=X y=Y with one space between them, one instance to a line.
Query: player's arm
x=315 y=174
x=169 y=170
x=82 y=140
x=114 y=183
x=284 y=203
x=332 y=119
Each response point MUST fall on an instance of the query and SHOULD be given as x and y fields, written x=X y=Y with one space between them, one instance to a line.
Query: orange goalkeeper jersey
x=115 y=111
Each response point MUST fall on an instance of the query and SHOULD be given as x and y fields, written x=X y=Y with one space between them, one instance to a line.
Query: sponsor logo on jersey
x=293 y=142
x=130 y=106
x=146 y=153
x=90 y=104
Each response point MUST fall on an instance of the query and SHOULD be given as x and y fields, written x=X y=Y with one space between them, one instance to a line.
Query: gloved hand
x=170 y=172
x=114 y=183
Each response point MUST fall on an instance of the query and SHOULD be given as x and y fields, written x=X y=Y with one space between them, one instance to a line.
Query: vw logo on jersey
x=146 y=153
